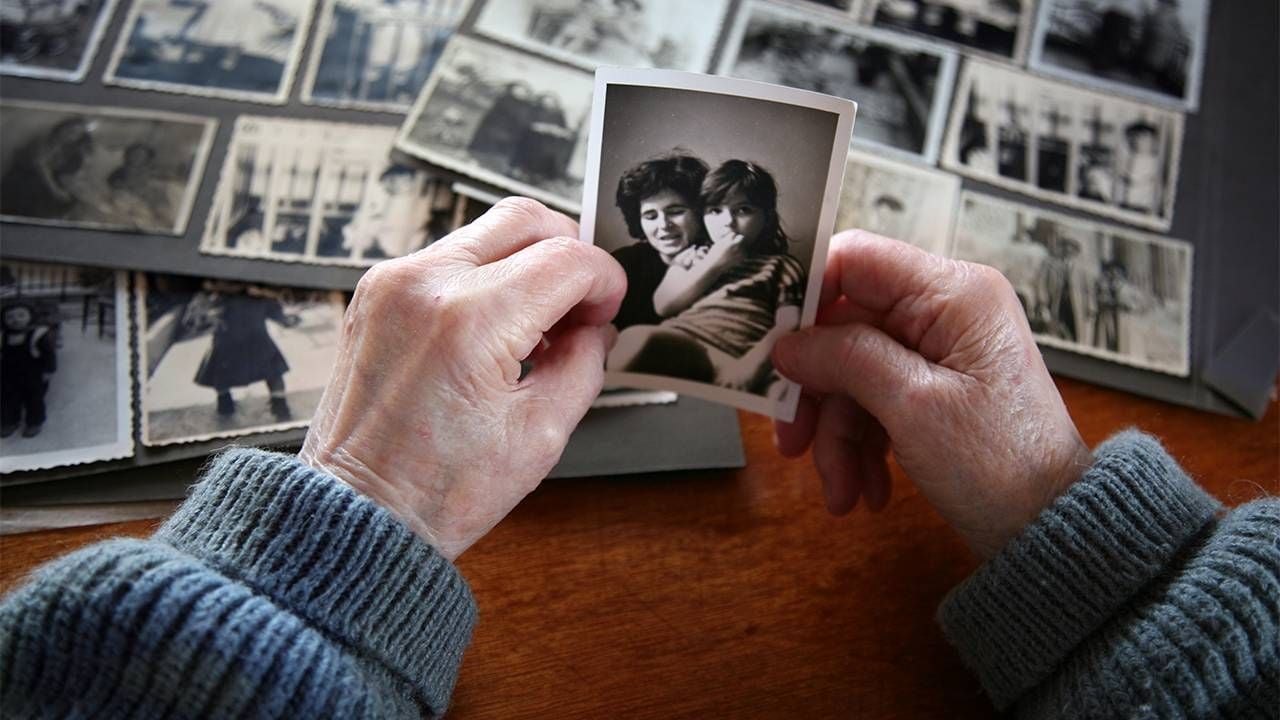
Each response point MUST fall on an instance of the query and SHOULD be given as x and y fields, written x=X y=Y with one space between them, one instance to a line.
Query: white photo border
x=120 y=448
x=81 y=70
x=784 y=408
x=1190 y=102
x=279 y=97
x=942 y=92
x=471 y=169
x=194 y=181
x=950 y=148
x=1183 y=367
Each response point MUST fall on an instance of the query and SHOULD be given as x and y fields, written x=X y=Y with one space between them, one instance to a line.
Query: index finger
x=873 y=276
x=512 y=224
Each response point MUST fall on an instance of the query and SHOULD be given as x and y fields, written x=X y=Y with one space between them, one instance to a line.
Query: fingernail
x=784 y=354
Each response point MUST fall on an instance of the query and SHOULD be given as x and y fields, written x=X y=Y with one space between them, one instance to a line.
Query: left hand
x=427 y=412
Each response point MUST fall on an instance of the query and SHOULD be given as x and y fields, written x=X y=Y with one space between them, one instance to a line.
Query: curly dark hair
x=757 y=185
x=680 y=172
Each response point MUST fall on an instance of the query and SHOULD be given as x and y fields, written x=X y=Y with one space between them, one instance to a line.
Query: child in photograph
x=1140 y=181
x=136 y=193
x=28 y=355
x=724 y=304
x=392 y=221
x=1109 y=301
x=242 y=352
x=660 y=201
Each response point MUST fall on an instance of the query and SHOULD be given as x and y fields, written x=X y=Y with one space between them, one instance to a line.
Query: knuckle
x=516 y=205
x=548 y=440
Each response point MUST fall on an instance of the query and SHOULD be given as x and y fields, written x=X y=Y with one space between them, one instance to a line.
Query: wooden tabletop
x=733 y=594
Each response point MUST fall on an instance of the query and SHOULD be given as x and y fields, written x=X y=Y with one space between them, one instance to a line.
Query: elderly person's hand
x=935 y=359
x=427 y=412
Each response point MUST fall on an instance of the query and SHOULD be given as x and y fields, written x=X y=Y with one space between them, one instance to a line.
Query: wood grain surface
x=733 y=594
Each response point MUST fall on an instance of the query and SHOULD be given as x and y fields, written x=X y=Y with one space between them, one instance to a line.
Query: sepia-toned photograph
x=376 y=54
x=902 y=85
x=98 y=167
x=1065 y=144
x=722 y=227
x=238 y=49
x=899 y=200
x=51 y=39
x=65 y=388
x=673 y=34
x=504 y=118
x=996 y=28
x=320 y=192
x=219 y=358
x=1150 y=49
x=1088 y=287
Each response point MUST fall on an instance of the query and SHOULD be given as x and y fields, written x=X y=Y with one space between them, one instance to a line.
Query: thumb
x=857 y=360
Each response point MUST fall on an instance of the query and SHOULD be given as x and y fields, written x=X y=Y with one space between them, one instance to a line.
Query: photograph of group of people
x=92 y=167
x=1065 y=144
x=721 y=229
x=1085 y=286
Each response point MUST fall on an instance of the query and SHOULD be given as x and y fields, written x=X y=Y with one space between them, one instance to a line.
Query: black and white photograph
x=995 y=28
x=1092 y=288
x=674 y=34
x=899 y=200
x=1065 y=144
x=65 y=388
x=505 y=118
x=237 y=49
x=376 y=54
x=901 y=84
x=51 y=39
x=219 y=357
x=717 y=196
x=100 y=167
x=320 y=192
x=1150 y=49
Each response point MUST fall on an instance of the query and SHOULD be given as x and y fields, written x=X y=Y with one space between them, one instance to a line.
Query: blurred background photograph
x=999 y=28
x=376 y=54
x=105 y=168
x=65 y=393
x=51 y=39
x=221 y=357
x=245 y=49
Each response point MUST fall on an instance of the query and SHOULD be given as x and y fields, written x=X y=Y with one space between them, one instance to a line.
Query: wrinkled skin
x=426 y=411
x=932 y=358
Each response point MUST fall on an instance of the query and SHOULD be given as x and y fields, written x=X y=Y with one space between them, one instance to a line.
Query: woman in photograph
x=726 y=304
x=242 y=352
x=660 y=201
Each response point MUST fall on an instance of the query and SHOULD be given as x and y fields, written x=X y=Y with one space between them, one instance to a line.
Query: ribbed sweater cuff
x=335 y=558
x=1019 y=616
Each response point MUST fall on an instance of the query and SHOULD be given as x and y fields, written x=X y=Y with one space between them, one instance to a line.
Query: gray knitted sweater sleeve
x=1133 y=595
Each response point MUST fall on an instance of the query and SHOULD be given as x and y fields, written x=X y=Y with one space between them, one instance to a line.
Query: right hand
x=934 y=358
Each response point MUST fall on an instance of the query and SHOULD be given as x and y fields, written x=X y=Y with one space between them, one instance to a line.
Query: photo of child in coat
x=28 y=356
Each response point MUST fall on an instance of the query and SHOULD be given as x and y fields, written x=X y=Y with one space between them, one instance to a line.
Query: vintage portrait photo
x=376 y=54
x=1092 y=288
x=51 y=39
x=721 y=226
x=902 y=85
x=899 y=200
x=1065 y=144
x=220 y=358
x=504 y=118
x=65 y=389
x=673 y=34
x=1150 y=49
x=239 y=49
x=98 y=167
x=310 y=191
x=996 y=28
